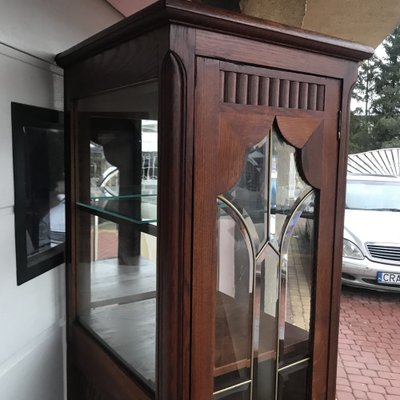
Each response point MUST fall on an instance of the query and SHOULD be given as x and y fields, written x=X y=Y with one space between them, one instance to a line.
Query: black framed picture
x=39 y=189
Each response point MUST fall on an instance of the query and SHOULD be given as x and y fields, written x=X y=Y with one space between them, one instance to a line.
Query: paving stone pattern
x=369 y=346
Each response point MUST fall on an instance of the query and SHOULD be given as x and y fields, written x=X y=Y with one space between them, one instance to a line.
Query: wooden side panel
x=89 y=362
x=171 y=203
x=182 y=44
x=175 y=217
x=119 y=66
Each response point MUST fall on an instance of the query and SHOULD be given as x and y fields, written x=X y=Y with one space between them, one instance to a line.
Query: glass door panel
x=293 y=382
x=265 y=275
x=265 y=362
x=233 y=321
x=296 y=285
x=117 y=174
x=287 y=186
x=250 y=194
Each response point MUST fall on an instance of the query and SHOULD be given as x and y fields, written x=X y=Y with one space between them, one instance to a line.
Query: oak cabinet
x=206 y=181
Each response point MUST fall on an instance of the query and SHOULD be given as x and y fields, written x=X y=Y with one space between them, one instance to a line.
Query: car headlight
x=350 y=250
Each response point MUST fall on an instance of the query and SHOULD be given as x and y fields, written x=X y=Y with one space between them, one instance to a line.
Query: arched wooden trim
x=306 y=135
x=239 y=131
x=311 y=158
x=297 y=131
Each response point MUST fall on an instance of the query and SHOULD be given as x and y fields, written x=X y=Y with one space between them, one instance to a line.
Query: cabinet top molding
x=188 y=13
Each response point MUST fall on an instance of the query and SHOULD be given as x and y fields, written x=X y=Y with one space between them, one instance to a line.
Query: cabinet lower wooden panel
x=97 y=368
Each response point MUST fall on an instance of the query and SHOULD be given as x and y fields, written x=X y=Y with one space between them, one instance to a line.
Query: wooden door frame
x=207 y=120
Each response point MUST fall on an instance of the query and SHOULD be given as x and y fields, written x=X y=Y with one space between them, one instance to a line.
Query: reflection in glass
x=114 y=188
x=234 y=301
x=117 y=212
x=265 y=272
x=286 y=185
x=115 y=296
x=296 y=287
x=294 y=382
x=44 y=189
x=105 y=177
x=250 y=194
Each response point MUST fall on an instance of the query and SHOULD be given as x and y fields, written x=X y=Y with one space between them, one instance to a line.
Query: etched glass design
x=265 y=275
x=297 y=264
x=234 y=299
x=250 y=194
x=286 y=186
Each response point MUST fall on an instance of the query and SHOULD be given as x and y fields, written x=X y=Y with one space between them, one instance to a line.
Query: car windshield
x=373 y=195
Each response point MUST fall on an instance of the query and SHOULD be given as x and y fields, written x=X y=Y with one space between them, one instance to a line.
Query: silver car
x=371 y=247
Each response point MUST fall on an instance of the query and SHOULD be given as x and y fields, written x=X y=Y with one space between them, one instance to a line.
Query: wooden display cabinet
x=207 y=163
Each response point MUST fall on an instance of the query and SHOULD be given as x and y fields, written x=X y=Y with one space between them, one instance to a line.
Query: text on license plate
x=389 y=278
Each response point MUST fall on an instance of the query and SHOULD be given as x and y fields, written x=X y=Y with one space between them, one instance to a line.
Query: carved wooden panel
x=259 y=90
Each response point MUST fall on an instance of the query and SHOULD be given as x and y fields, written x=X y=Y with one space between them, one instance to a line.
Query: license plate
x=389 y=278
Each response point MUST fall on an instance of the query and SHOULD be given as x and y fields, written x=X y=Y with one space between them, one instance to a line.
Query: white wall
x=32 y=317
x=47 y=27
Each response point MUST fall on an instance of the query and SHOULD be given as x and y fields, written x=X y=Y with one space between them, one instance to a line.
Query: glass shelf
x=138 y=209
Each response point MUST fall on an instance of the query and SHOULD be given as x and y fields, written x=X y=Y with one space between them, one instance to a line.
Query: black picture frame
x=32 y=151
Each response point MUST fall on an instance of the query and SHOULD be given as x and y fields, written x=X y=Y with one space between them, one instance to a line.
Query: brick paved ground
x=369 y=346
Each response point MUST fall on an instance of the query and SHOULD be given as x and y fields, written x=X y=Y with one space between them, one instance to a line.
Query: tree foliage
x=376 y=123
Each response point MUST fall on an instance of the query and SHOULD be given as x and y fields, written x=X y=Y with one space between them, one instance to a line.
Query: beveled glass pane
x=265 y=367
x=271 y=210
x=250 y=194
x=233 y=320
x=117 y=210
x=287 y=186
x=297 y=279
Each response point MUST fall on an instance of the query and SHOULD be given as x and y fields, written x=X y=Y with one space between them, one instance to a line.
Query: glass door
x=116 y=235
x=265 y=275
x=265 y=178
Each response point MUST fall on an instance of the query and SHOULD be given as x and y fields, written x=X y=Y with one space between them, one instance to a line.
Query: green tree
x=376 y=122
x=362 y=118
x=386 y=104
x=364 y=89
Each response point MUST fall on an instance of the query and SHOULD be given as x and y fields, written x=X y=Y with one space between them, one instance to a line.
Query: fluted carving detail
x=255 y=90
